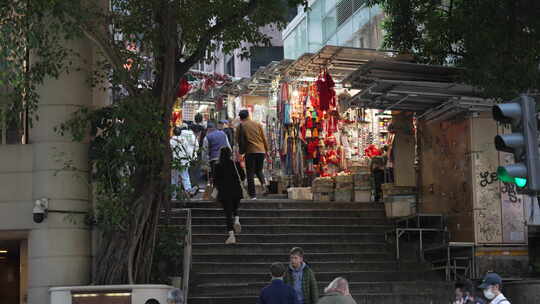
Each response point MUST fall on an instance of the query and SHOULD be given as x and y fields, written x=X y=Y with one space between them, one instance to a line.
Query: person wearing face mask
x=491 y=285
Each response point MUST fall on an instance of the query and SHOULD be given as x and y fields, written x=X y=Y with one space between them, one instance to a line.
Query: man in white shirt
x=491 y=285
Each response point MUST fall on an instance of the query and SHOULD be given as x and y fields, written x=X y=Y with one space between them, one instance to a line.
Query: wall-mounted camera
x=41 y=207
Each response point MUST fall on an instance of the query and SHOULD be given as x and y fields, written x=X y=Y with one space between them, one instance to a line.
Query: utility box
x=111 y=294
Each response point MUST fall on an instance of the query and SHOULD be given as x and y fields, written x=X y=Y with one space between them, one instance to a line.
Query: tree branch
x=98 y=37
x=198 y=54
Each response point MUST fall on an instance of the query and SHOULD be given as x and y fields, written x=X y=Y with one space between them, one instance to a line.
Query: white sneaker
x=231 y=239
x=237 y=227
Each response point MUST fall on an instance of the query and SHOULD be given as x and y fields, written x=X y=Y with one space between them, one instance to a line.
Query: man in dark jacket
x=277 y=292
x=301 y=278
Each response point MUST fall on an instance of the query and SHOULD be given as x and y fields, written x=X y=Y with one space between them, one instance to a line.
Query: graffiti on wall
x=512 y=205
x=487 y=200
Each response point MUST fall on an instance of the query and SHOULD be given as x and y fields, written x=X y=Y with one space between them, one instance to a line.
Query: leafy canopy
x=496 y=41
x=143 y=49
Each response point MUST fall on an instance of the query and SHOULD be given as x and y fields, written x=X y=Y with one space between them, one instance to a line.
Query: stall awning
x=260 y=83
x=434 y=91
x=339 y=61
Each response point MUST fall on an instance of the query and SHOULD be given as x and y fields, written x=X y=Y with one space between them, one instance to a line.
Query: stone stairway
x=339 y=239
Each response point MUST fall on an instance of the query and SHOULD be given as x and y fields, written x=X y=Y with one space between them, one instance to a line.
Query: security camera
x=40 y=210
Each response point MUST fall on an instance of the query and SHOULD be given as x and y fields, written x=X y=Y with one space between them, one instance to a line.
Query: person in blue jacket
x=277 y=292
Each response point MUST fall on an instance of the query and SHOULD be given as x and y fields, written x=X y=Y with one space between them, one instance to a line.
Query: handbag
x=244 y=191
x=242 y=141
x=214 y=193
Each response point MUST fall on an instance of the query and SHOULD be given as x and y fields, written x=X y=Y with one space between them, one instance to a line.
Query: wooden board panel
x=445 y=175
x=404 y=154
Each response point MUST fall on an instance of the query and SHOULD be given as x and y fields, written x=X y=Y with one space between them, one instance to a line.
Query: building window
x=229 y=68
x=262 y=56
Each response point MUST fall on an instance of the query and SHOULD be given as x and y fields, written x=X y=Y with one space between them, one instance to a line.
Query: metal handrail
x=187 y=256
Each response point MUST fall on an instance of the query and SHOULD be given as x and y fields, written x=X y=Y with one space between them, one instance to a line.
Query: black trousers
x=231 y=209
x=378 y=178
x=254 y=166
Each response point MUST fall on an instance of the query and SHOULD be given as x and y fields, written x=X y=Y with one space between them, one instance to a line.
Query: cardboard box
x=400 y=205
x=362 y=196
x=343 y=195
x=301 y=194
x=323 y=185
x=323 y=196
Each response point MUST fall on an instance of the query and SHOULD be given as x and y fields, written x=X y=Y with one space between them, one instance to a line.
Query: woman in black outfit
x=227 y=181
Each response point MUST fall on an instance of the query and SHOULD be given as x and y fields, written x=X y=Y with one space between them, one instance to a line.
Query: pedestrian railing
x=187 y=256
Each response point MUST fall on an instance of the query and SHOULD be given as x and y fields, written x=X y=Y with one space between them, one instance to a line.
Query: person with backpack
x=184 y=146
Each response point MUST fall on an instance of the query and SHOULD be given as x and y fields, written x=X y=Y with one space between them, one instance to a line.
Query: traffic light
x=522 y=142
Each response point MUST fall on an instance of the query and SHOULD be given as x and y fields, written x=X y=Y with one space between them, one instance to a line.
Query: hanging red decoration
x=183 y=88
x=327 y=95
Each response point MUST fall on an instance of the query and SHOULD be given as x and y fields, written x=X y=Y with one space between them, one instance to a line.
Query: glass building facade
x=333 y=22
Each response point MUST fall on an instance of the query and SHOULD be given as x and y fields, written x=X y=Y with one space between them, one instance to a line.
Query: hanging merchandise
x=230 y=107
x=325 y=88
x=319 y=137
x=183 y=88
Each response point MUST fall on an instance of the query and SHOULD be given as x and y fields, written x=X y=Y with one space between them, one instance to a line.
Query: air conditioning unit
x=113 y=294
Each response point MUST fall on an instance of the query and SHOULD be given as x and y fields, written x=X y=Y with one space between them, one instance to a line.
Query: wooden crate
x=362 y=180
x=323 y=196
x=391 y=189
x=324 y=185
x=359 y=169
x=344 y=182
x=343 y=195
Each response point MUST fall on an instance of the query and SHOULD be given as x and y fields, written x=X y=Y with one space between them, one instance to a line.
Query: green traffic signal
x=503 y=176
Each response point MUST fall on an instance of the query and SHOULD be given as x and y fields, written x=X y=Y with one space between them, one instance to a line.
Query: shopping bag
x=214 y=193
x=208 y=192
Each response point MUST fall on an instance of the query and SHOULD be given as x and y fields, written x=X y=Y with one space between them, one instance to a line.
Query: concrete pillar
x=59 y=247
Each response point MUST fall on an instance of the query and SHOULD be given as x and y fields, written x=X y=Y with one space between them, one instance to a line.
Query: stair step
x=283 y=220
x=227 y=267
x=281 y=204
x=281 y=257
x=283 y=248
x=291 y=237
x=352 y=276
x=360 y=213
x=360 y=299
x=356 y=288
x=292 y=228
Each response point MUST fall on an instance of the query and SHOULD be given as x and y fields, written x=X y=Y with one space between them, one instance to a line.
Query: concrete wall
x=59 y=251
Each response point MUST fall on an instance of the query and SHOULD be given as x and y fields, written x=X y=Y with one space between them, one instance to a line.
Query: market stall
x=324 y=140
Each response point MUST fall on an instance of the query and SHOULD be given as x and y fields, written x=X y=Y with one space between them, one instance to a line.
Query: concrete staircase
x=339 y=239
